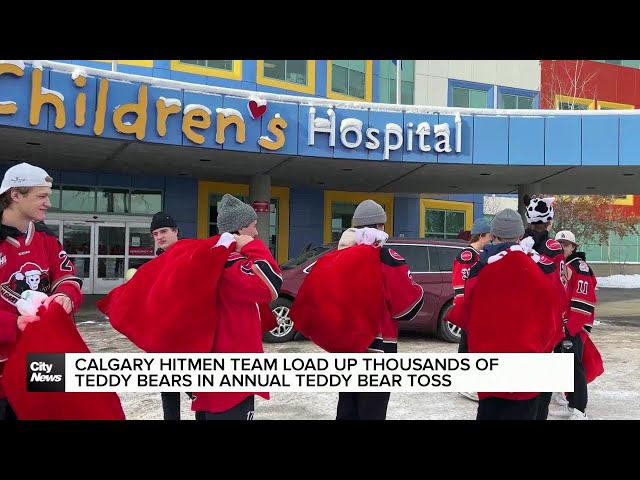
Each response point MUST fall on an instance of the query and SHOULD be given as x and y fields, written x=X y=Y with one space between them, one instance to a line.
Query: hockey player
x=512 y=304
x=353 y=299
x=462 y=264
x=31 y=258
x=578 y=322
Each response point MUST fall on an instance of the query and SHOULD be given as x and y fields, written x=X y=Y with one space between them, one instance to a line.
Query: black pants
x=171 y=405
x=463 y=346
x=545 y=397
x=494 y=408
x=243 y=411
x=6 y=412
x=578 y=398
x=362 y=405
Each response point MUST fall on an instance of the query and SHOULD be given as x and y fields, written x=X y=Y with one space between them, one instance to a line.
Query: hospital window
x=516 y=102
x=348 y=77
x=292 y=71
x=388 y=86
x=469 y=98
x=443 y=223
x=624 y=63
x=572 y=106
x=214 y=202
x=226 y=65
x=341 y=214
x=127 y=201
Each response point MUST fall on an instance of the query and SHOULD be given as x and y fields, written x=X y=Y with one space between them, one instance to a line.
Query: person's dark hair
x=5 y=198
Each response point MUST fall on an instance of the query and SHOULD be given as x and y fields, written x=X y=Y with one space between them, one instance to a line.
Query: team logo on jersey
x=466 y=256
x=29 y=277
x=553 y=245
x=3 y=259
x=396 y=256
x=583 y=266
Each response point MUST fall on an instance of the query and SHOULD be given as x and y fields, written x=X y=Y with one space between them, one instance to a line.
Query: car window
x=417 y=257
x=305 y=257
x=434 y=260
x=446 y=256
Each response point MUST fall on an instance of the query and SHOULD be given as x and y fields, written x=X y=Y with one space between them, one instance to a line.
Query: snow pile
x=619 y=281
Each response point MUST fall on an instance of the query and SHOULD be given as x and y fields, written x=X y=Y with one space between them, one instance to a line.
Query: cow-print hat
x=539 y=210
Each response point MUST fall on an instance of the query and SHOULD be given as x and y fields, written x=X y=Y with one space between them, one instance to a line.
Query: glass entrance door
x=109 y=263
x=141 y=247
x=77 y=239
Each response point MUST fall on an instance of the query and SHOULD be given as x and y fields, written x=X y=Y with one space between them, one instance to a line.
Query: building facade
x=178 y=134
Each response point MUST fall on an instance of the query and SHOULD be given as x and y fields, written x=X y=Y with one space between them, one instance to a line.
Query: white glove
x=370 y=236
x=225 y=240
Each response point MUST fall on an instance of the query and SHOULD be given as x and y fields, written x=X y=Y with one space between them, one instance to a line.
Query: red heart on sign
x=256 y=110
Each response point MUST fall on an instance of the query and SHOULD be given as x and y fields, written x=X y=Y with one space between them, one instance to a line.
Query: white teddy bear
x=30 y=301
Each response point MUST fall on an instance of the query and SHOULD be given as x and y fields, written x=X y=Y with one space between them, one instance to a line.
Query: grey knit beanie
x=233 y=214
x=507 y=224
x=368 y=213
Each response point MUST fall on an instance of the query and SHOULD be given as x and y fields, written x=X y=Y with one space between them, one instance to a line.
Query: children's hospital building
x=304 y=141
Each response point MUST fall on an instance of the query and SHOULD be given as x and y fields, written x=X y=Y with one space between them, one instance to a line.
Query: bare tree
x=594 y=219
x=571 y=79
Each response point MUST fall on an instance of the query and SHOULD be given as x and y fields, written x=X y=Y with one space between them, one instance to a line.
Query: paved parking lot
x=614 y=395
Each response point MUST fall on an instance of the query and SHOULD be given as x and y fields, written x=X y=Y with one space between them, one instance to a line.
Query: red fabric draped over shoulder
x=340 y=303
x=169 y=305
x=56 y=332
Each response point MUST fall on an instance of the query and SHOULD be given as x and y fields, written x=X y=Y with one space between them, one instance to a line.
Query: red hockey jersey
x=460 y=272
x=581 y=291
x=31 y=260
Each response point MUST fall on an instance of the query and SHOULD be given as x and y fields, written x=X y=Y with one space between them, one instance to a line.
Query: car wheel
x=448 y=331
x=284 y=331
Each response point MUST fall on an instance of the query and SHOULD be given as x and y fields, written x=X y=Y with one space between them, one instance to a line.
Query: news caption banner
x=296 y=372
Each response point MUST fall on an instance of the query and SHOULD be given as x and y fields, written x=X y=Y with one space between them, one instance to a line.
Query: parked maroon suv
x=430 y=261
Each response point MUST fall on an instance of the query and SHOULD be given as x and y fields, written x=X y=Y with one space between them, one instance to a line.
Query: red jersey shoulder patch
x=396 y=255
x=553 y=245
x=466 y=256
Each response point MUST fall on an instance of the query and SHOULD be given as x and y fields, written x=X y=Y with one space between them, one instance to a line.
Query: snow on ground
x=619 y=281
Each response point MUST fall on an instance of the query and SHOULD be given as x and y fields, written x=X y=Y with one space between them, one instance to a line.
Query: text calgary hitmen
x=269 y=364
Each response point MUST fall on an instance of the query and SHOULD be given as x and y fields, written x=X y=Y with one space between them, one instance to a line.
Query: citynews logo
x=45 y=372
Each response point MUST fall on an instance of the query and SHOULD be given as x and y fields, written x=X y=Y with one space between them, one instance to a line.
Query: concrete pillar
x=532 y=189
x=260 y=191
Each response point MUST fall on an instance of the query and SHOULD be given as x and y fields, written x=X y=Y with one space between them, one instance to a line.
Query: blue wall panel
x=341 y=151
x=212 y=102
x=491 y=140
x=526 y=141
x=113 y=180
x=563 y=140
x=173 y=122
x=18 y=90
x=306 y=218
x=417 y=155
x=289 y=113
x=321 y=147
x=63 y=83
x=79 y=178
x=406 y=217
x=252 y=127
x=121 y=93
x=600 y=140
x=138 y=181
x=181 y=202
x=629 y=140
x=379 y=120
x=466 y=154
